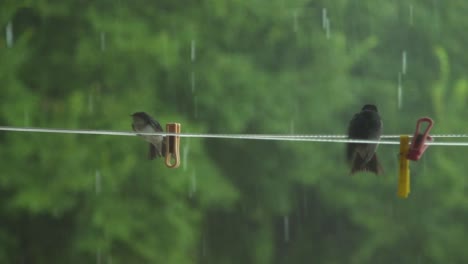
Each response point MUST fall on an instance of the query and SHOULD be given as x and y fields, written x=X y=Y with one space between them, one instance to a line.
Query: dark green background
x=259 y=67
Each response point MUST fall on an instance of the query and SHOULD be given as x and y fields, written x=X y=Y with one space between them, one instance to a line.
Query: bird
x=144 y=123
x=365 y=125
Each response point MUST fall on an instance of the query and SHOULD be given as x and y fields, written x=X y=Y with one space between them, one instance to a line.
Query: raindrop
x=404 y=61
x=296 y=24
x=327 y=29
x=9 y=34
x=193 y=50
x=192 y=81
x=400 y=92
x=411 y=14
x=185 y=152
x=103 y=41
x=97 y=182
x=286 y=228
x=193 y=184
x=324 y=18
x=326 y=22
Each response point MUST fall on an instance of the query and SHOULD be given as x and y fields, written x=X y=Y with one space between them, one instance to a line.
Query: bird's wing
x=355 y=126
x=155 y=124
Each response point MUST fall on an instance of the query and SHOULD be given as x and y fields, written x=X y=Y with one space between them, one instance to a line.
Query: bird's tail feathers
x=372 y=165
x=154 y=151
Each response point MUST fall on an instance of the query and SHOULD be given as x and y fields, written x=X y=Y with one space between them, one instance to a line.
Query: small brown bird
x=365 y=125
x=143 y=123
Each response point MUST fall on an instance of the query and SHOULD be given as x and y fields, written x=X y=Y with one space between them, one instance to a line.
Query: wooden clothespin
x=172 y=146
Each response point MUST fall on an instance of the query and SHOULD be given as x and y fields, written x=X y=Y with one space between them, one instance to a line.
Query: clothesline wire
x=285 y=137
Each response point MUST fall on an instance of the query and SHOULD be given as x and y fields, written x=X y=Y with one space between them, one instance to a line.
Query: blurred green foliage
x=228 y=67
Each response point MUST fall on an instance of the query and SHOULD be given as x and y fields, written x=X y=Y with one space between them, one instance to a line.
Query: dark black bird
x=365 y=125
x=143 y=123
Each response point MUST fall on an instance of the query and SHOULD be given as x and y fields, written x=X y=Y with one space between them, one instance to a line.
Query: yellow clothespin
x=172 y=146
x=404 y=176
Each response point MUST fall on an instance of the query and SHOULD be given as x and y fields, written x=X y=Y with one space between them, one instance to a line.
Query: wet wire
x=282 y=137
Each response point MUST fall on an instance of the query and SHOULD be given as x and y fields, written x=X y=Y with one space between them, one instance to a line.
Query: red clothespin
x=172 y=146
x=418 y=143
